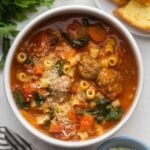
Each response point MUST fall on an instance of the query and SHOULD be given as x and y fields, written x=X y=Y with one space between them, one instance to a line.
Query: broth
x=74 y=78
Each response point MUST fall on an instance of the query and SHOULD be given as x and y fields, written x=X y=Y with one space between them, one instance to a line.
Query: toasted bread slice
x=144 y=2
x=135 y=14
x=121 y=2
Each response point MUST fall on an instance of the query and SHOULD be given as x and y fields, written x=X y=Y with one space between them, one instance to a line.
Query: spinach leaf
x=20 y=100
x=85 y=22
x=39 y=99
x=76 y=43
x=102 y=102
x=59 y=66
x=114 y=114
x=105 y=111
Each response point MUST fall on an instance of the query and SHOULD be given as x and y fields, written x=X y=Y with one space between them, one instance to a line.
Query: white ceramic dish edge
x=53 y=12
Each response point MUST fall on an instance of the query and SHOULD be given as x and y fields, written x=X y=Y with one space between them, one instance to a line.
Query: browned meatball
x=89 y=67
x=109 y=81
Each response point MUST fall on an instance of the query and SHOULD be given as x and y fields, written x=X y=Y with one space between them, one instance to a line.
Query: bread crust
x=123 y=17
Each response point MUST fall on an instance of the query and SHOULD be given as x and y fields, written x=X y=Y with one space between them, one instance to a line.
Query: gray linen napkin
x=9 y=140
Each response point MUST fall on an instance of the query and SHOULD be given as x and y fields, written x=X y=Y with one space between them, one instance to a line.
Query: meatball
x=88 y=67
x=42 y=42
x=62 y=84
x=109 y=81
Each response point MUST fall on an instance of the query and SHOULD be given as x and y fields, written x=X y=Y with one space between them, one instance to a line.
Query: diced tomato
x=28 y=90
x=97 y=34
x=86 y=123
x=55 y=128
x=72 y=115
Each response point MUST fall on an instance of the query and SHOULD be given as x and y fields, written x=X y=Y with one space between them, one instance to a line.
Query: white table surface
x=139 y=124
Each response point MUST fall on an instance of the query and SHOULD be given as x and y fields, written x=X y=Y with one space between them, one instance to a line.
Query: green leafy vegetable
x=12 y=11
x=105 y=111
x=59 y=66
x=85 y=22
x=39 y=99
x=20 y=100
x=76 y=43
x=114 y=114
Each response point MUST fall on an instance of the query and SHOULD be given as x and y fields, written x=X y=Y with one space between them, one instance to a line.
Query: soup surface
x=74 y=77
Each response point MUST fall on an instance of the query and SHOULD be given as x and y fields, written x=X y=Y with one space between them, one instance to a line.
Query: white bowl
x=76 y=10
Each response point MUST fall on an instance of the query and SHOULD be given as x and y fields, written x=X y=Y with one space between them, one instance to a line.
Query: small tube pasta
x=43 y=83
x=109 y=48
x=99 y=129
x=83 y=135
x=104 y=63
x=66 y=68
x=84 y=85
x=75 y=102
x=113 y=60
x=112 y=41
x=74 y=60
x=21 y=76
x=21 y=57
x=48 y=64
x=116 y=103
x=90 y=93
x=94 y=52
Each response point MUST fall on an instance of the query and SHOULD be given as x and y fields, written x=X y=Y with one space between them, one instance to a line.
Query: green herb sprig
x=12 y=11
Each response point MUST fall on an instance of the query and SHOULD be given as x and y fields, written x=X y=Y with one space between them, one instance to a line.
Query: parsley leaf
x=12 y=11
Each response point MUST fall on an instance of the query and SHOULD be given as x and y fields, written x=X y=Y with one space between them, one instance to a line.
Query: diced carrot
x=96 y=33
x=38 y=69
x=29 y=117
x=55 y=128
x=86 y=123
x=72 y=115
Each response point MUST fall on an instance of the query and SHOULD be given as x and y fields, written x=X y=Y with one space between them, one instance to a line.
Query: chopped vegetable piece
x=86 y=123
x=114 y=114
x=39 y=99
x=55 y=128
x=20 y=100
x=97 y=33
x=76 y=43
x=85 y=22
x=59 y=66
x=72 y=115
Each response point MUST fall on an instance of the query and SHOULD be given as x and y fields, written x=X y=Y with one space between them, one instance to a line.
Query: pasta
x=94 y=52
x=21 y=57
x=68 y=77
x=48 y=64
x=21 y=76
x=113 y=60
x=90 y=93
x=84 y=85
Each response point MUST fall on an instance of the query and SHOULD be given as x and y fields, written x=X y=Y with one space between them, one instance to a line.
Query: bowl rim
x=126 y=138
x=87 y=10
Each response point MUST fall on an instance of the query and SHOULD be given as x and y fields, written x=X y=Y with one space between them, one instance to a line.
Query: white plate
x=108 y=6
